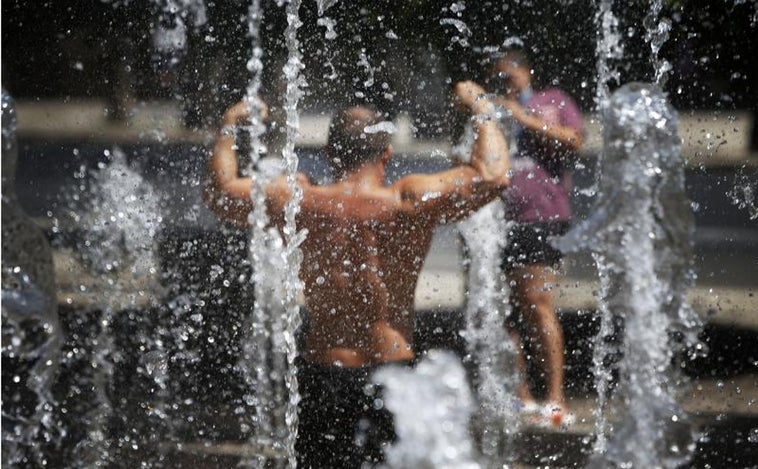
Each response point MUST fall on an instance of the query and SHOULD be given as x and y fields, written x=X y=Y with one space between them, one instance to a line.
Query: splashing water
x=169 y=36
x=432 y=405
x=324 y=5
x=489 y=346
x=743 y=194
x=609 y=48
x=330 y=34
x=384 y=126
x=657 y=33
x=122 y=219
x=641 y=233
x=363 y=62
x=119 y=229
x=31 y=349
x=457 y=8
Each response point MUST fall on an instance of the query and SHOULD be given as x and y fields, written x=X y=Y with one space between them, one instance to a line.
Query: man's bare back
x=367 y=241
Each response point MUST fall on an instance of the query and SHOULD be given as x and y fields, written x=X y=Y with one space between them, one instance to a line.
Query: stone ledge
x=708 y=138
x=444 y=289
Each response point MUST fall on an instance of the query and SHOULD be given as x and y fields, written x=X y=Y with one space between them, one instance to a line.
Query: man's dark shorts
x=343 y=422
x=528 y=245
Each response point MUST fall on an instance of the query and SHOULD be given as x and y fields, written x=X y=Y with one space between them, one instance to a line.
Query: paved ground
x=709 y=401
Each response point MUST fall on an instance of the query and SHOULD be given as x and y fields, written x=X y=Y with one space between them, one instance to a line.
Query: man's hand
x=227 y=194
x=470 y=95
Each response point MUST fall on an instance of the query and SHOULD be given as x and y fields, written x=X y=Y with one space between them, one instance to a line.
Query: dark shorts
x=342 y=421
x=528 y=244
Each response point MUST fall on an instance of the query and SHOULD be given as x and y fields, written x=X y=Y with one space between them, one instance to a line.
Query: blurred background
x=111 y=51
x=139 y=87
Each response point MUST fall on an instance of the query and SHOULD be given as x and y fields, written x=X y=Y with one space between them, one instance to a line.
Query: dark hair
x=349 y=145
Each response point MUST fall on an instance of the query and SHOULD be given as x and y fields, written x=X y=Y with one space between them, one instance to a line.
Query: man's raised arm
x=489 y=153
x=225 y=193
x=456 y=193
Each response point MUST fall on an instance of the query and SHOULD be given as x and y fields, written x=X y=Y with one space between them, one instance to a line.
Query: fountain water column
x=293 y=238
x=489 y=345
x=432 y=406
x=609 y=48
x=260 y=359
x=641 y=234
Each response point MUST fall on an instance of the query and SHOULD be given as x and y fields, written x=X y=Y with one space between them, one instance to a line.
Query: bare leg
x=523 y=392
x=533 y=289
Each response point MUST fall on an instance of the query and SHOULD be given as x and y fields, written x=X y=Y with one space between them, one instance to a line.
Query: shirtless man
x=365 y=248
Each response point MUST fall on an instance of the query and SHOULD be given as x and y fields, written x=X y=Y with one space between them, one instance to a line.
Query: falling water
x=293 y=256
x=263 y=359
x=609 y=48
x=641 y=232
x=456 y=8
x=744 y=193
x=31 y=338
x=657 y=33
x=489 y=346
x=431 y=405
x=330 y=34
x=255 y=347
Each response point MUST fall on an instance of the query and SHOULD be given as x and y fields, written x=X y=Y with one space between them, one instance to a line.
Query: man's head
x=349 y=145
x=511 y=72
